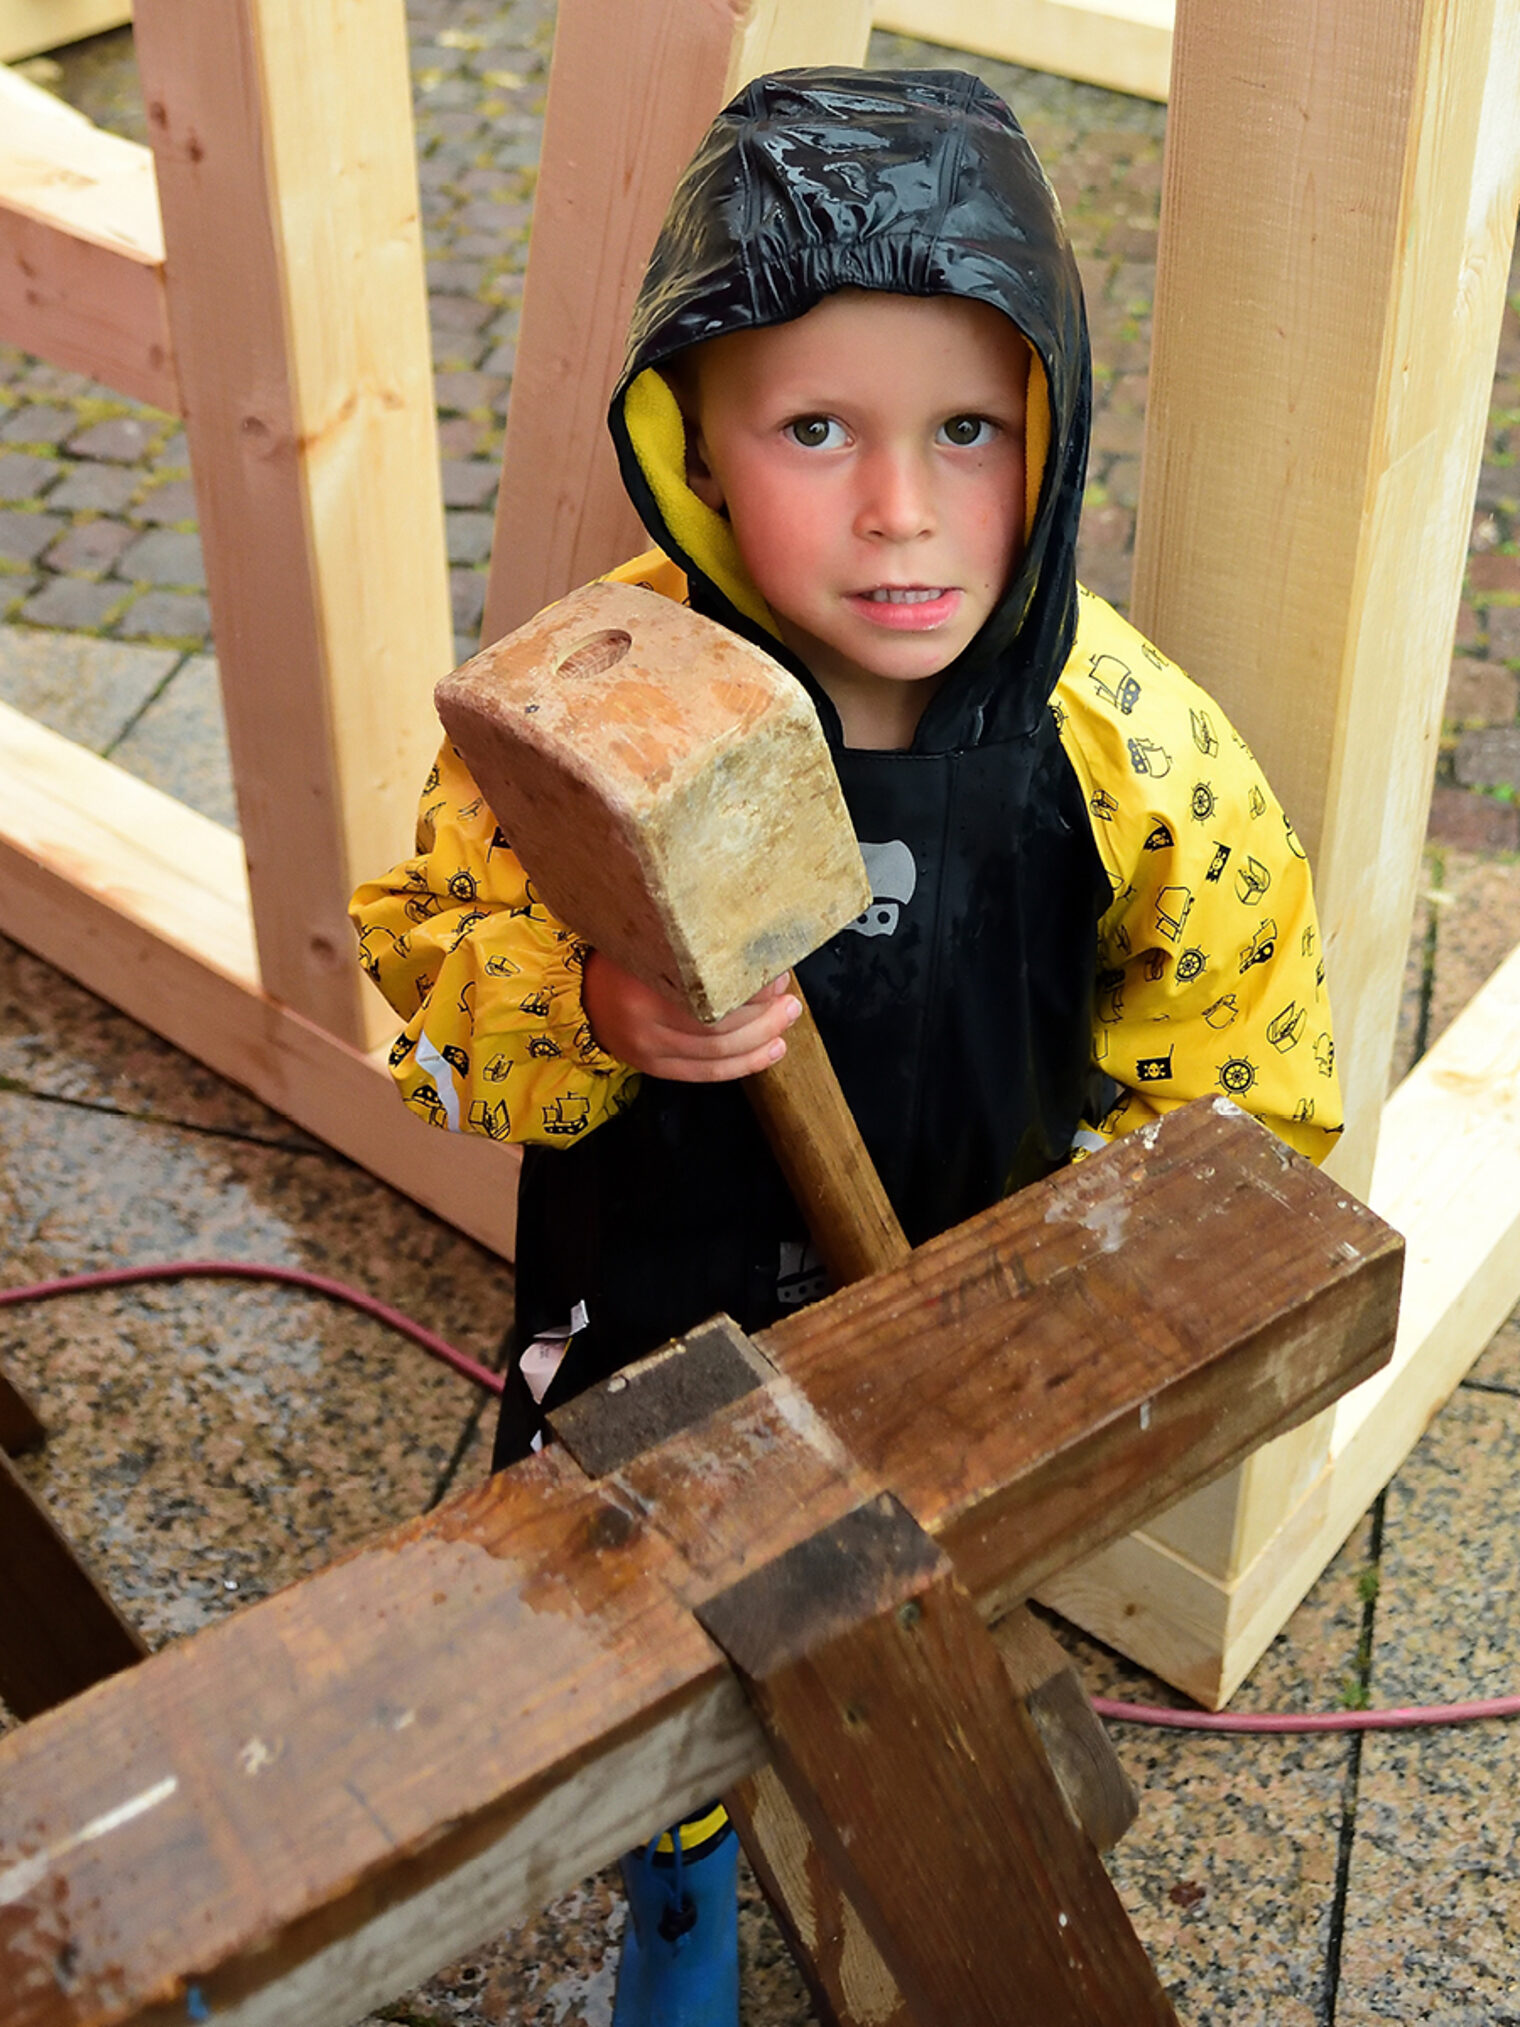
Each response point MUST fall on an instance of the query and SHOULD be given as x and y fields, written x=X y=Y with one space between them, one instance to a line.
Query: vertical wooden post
x=1337 y=221
x=633 y=88
x=299 y=316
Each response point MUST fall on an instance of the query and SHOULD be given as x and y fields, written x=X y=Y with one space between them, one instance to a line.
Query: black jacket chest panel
x=958 y=1016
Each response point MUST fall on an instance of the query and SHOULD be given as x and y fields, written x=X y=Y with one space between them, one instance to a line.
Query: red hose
x=437 y=1347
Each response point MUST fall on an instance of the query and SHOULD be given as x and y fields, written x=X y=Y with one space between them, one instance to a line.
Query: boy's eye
x=816 y=432
x=964 y=431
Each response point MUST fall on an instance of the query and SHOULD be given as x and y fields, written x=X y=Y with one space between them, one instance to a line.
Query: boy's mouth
x=911 y=606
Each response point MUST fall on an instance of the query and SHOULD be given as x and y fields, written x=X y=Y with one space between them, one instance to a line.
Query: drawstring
x=680 y=1915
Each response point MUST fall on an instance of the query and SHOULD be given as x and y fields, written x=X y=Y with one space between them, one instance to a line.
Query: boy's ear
x=700 y=475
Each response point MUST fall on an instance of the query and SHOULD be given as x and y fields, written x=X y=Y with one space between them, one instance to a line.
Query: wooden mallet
x=669 y=793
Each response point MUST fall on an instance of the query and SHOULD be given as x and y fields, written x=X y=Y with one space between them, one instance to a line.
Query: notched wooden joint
x=683 y=1383
x=876 y=1559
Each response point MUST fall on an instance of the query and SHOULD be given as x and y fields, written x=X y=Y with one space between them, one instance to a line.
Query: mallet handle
x=813 y=1135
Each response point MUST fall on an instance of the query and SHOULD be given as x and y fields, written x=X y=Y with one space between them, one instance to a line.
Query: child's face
x=870 y=458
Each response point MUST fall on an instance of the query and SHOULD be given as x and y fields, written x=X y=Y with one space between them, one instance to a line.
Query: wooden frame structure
x=1124 y=44
x=1381 y=164
x=740 y=1551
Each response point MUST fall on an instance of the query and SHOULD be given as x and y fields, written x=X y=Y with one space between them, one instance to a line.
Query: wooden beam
x=81 y=246
x=59 y=1630
x=298 y=307
x=145 y=902
x=1448 y=1179
x=897 y=1732
x=27 y=26
x=1338 y=218
x=21 y=1427
x=302 y=1810
x=632 y=90
x=1123 y=44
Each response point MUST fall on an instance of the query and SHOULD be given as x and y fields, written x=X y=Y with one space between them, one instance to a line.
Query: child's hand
x=641 y=1027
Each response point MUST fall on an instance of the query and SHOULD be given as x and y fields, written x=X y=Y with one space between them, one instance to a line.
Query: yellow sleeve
x=488 y=983
x=1211 y=977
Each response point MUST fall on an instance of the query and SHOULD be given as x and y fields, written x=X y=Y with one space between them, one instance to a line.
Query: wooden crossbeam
x=302 y=1810
x=145 y=902
x=82 y=246
x=1123 y=44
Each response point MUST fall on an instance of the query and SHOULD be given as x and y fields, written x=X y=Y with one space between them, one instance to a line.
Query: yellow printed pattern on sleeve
x=487 y=981
x=1211 y=978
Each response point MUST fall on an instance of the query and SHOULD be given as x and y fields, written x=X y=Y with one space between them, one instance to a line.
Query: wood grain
x=1064 y=1303
x=1123 y=44
x=667 y=787
x=900 y=1740
x=632 y=90
x=145 y=901
x=81 y=245
x=308 y=1807
x=59 y=1630
x=1369 y=161
x=281 y=134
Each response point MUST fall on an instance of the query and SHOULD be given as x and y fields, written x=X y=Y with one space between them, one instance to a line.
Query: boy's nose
x=895 y=499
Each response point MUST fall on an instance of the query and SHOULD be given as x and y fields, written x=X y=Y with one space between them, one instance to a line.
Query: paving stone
x=1469 y=633
x=502 y=360
x=174 y=454
x=95 y=488
x=33 y=424
x=89 y=546
x=469 y=482
x=179 y=743
x=124 y=439
x=1503 y=631
x=172 y=500
x=167 y=615
x=466 y=275
x=461 y=436
x=1481 y=693
x=164 y=556
x=467 y=594
x=1490 y=758
x=468 y=393
x=469 y=537
x=1471 y=822
x=457 y=313
x=23 y=537
x=89 y=690
x=1498 y=483
x=75 y=603
x=14 y=592
x=47 y=381
x=25 y=476
x=1494 y=573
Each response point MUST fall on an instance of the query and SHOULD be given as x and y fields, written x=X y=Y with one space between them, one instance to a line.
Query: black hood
x=915 y=182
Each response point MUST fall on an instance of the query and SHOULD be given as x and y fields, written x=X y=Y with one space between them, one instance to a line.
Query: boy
x=855 y=413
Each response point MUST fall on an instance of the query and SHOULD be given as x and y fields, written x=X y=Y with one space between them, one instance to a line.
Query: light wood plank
x=81 y=246
x=1124 y=44
x=632 y=91
x=1370 y=168
x=28 y=26
x=146 y=903
x=1448 y=1178
x=282 y=135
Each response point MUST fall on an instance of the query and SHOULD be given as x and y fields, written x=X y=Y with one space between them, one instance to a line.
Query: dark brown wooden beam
x=306 y=1808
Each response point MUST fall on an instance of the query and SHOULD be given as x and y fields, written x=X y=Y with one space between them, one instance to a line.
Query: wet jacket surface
x=1088 y=907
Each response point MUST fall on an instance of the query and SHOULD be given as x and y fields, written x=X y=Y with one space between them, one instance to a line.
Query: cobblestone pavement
x=97 y=510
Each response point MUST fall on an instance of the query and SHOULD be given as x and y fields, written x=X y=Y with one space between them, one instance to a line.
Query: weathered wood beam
x=145 y=902
x=304 y=1809
x=81 y=246
x=59 y=1630
x=632 y=90
x=896 y=1731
